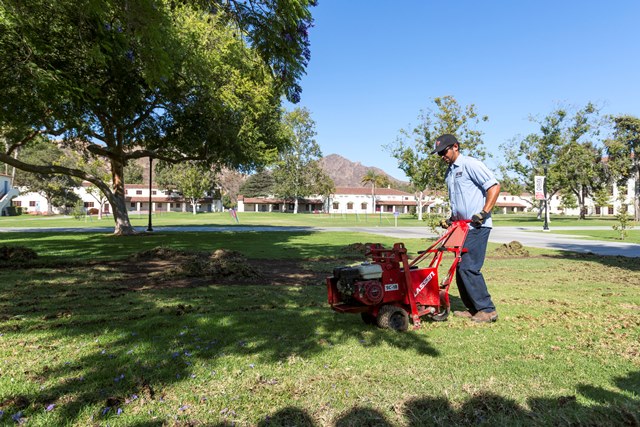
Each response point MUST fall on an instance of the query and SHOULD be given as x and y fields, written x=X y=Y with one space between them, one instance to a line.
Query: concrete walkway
x=528 y=236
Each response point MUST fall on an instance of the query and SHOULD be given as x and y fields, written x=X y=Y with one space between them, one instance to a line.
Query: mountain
x=346 y=173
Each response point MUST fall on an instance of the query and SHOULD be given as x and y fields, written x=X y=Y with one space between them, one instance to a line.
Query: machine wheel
x=368 y=318
x=392 y=317
x=442 y=315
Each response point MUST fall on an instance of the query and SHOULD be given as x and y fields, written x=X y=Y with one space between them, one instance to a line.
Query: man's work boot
x=483 y=316
x=466 y=314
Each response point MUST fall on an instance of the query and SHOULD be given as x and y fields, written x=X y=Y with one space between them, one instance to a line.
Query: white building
x=360 y=200
x=136 y=196
x=350 y=200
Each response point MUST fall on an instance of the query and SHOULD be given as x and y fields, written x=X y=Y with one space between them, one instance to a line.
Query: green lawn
x=80 y=346
x=283 y=219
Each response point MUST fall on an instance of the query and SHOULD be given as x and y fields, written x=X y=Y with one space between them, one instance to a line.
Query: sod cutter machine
x=391 y=290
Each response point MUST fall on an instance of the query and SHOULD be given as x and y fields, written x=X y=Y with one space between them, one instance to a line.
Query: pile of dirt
x=356 y=248
x=222 y=265
x=16 y=254
x=513 y=248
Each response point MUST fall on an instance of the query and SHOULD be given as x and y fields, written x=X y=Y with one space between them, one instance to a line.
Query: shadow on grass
x=127 y=344
x=612 y=408
x=62 y=247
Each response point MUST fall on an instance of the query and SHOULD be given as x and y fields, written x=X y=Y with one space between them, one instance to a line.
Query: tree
x=177 y=81
x=260 y=184
x=133 y=173
x=624 y=154
x=54 y=188
x=298 y=173
x=412 y=148
x=582 y=172
x=376 y=180
x=602 y=198
x=230 y=182
x=194 y=180
x=563 y=150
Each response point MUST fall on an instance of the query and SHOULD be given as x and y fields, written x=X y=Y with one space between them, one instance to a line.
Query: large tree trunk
x=118 y=201
x=49 y=205
x=581 y=203
x=420 y=204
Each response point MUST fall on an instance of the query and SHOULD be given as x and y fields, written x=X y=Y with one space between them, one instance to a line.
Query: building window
x=138 y=192
x=32 y=203
x=363 y=206
x=350 y=206
x=158 y=205
x=610 y=210
x=153 y=192
x=88 y=204
x=16 y=203
x=336 y=205
x=133 y=205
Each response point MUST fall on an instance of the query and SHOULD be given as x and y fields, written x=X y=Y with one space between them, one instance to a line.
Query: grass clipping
x=221 y=264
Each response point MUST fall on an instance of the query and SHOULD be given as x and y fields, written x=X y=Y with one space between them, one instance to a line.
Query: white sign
x=539 y=187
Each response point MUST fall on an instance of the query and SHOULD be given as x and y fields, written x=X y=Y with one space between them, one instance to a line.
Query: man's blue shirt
x=468 y=180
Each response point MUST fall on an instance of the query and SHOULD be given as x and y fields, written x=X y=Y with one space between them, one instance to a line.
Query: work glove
x=446 y=223
x=478 y=219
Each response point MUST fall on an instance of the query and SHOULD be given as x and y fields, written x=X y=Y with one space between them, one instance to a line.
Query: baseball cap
x=444 y=141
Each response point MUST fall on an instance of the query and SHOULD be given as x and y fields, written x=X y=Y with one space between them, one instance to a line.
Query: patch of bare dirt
x=165 y=267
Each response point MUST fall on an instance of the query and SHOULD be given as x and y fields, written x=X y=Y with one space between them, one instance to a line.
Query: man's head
x=447 y=147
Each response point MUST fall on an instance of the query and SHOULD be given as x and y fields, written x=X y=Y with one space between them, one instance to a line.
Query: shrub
x=78 y=210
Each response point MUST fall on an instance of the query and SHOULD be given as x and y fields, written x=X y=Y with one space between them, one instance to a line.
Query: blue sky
x=376 y=64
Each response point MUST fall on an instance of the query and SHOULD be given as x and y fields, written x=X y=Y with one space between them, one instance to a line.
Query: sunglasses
x=444 y=152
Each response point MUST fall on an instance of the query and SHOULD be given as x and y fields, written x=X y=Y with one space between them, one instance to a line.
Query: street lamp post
x=150 y=228
x=545 y=227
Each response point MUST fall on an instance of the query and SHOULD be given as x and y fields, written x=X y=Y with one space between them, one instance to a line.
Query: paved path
x=528 y=236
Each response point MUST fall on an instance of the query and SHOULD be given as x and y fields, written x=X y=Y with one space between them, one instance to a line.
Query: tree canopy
x=565 y=150
x=413 y=147
x=298 y=172
x=175 y=81
x=624 y=154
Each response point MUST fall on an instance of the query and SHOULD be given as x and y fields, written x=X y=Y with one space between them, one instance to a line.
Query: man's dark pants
x=471 y=285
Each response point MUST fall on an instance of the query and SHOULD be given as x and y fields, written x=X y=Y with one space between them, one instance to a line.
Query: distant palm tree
x=376 y=180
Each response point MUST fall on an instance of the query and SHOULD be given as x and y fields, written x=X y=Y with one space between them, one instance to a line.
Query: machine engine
x=362 y=283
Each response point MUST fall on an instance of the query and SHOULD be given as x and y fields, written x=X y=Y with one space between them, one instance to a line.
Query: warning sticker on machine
x=391 y=287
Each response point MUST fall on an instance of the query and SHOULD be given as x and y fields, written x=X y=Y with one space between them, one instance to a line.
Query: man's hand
x=446 y=223
x=478 y=219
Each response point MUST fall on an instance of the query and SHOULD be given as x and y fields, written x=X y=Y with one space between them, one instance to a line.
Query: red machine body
x=390 y=289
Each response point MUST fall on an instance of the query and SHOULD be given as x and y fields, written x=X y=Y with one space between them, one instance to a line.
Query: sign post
x=540 y=185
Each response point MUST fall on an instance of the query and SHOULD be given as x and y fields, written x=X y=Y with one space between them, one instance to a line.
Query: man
x=473 y=191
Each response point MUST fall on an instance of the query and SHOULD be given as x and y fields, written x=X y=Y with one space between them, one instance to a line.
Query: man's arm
x=492 y=196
